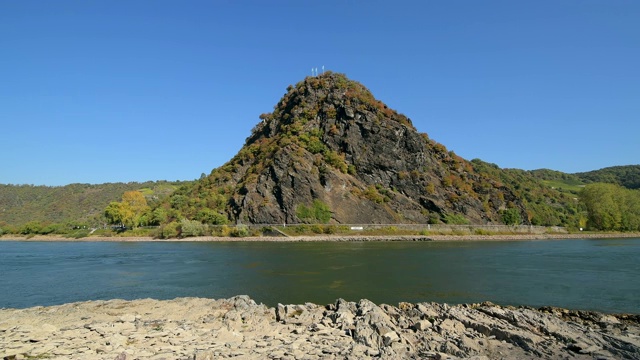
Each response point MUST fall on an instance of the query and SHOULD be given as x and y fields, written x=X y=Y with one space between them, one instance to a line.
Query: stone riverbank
x=197 y=329
x=339 y=238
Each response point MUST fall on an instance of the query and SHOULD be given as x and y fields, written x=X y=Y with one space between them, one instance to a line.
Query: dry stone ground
x=196 y=328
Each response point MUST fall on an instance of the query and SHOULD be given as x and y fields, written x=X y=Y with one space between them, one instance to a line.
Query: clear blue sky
x=119 y=91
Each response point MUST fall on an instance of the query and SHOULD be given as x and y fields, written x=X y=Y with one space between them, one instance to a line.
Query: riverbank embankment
x=340 y=238
x=197 y=328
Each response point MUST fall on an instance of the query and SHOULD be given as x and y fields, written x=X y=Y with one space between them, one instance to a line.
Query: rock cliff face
x=331 y=151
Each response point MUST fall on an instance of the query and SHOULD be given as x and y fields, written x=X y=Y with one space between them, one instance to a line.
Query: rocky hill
x=331 y=152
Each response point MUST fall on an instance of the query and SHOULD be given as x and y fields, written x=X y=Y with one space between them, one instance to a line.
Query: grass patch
x=573 y=187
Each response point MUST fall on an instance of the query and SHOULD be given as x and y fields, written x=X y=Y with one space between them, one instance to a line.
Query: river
x=601 y=275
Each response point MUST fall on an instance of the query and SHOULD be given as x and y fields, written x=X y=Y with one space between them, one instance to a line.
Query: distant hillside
x=563 y=182
x=331 y=152
x=627 y=176
x=546 y=204
x=76 y=203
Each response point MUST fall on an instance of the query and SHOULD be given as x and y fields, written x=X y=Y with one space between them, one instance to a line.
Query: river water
x=602 y=275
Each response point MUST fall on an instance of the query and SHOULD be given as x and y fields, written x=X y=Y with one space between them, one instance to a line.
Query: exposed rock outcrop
x=330 y=141
x=194 y=328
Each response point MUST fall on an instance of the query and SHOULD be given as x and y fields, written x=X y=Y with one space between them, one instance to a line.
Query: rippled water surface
x=599 y=275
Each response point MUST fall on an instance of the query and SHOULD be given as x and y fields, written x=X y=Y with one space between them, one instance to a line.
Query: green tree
x=159 y=216
x=117 y=213
x=611 y=207
x=208 y=216
x=511 y=216
x=603 y=207
x=630 y=204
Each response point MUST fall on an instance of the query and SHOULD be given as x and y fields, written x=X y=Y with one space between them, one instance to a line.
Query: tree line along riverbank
x=327 y=237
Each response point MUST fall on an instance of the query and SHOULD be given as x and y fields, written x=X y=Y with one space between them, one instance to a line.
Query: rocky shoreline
x=197 y=329
x=339 y=238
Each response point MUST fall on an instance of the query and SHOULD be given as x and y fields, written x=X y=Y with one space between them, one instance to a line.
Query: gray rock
x=422 y=325
x=238 y=327
x=390 y=337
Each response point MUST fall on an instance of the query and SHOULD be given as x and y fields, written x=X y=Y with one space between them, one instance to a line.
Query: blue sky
x=119 y=91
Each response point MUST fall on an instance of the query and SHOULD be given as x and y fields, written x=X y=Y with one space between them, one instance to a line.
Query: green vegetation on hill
x=30 y=209
x=560 y=181
x=627 y=176
x=545 y=205
x=609 y=197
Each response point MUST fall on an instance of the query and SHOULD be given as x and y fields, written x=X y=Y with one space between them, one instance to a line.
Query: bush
x=455 y=219
x=9 y=229
x=433 y=219
x=169 y=231
x=332 y=229
x=430 y=189
x=372 y=194
x=240 y=231
x=192 y=228
x=334 y=159
x=300 y=229
x=31 y=228
x=315 y=146
x=225 y=231
x=511 y=216
x=319 y=212
x=208 y=216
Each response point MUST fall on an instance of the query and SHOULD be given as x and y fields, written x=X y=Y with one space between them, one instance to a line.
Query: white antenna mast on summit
x=322 y=69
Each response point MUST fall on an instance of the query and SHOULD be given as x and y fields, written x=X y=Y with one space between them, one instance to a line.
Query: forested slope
x=627 y=176
x=75 y=203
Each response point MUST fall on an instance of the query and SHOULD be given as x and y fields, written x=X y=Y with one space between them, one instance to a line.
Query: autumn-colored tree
x=129 y=211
